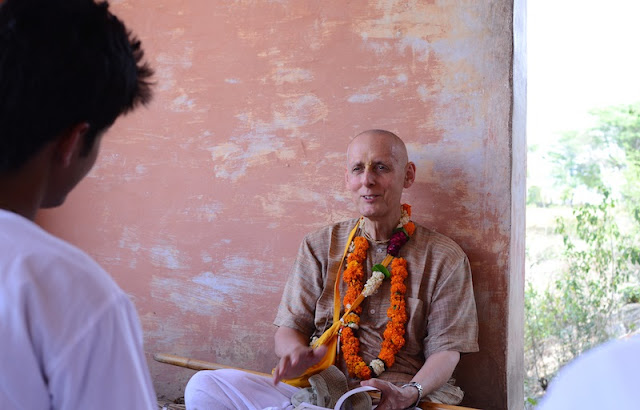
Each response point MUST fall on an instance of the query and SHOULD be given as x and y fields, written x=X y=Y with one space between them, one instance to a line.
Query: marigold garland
x=354 y=277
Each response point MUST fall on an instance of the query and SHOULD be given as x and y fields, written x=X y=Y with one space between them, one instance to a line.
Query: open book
x=340 y=404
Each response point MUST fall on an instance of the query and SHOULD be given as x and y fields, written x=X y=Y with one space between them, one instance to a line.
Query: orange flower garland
x=397 y=313
x=354 y=273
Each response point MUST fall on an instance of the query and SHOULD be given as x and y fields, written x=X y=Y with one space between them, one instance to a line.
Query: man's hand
x=292 y=347
x=435 y=372
x=296 y=362
x=393 y=397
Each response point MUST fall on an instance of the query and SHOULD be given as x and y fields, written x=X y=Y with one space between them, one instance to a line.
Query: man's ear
x=71 y=142
x=409 y=174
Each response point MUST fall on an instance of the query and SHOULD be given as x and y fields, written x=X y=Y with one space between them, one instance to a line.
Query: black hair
x=63 y=62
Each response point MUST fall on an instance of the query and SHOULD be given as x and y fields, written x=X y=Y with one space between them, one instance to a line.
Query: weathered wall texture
x=198 y=203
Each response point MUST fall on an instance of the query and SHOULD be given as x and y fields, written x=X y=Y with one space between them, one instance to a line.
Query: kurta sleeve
x=303 y=288
x=452 y=320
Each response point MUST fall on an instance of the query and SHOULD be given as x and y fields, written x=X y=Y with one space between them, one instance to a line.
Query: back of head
x=63 y=62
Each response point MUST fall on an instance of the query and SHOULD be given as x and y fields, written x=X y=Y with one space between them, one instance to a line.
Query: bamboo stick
x=196 y=364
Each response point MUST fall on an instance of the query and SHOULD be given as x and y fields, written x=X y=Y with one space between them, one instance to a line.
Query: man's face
x=377 y=171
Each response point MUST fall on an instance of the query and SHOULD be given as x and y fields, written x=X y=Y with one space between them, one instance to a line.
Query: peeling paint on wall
x=166 y=257
x=198 y=203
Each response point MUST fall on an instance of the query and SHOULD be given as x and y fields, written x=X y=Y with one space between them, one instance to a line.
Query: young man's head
x=67 y=68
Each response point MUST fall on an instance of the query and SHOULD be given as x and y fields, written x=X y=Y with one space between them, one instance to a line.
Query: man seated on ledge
x=408 y=351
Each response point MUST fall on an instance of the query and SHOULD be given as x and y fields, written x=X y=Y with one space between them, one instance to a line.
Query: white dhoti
x=229 y=389
x=236 y=390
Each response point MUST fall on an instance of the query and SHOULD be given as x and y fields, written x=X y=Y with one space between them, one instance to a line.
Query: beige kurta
x=439 y=299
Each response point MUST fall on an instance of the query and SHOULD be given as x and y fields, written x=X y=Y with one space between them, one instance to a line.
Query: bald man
x=409 y=333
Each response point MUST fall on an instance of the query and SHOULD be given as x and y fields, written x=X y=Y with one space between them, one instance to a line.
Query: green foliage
x=619 y=126
x=595 y=157
x=534 y=196
x=601 y=245
x=631 y=294
x=573 y=313
x=576 y=163
x=588 y=290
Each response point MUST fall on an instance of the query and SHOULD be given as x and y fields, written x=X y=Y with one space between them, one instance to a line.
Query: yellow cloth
x=327 y=360
x=330 y=336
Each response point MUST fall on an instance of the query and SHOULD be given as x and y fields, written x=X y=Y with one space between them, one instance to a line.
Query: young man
x=71 y=338
x=408 y=336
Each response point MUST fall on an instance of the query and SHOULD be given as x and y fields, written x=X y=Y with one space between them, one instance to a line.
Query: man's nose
x=369 y=177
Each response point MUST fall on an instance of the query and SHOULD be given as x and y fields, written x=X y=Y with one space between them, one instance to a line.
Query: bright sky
x=581 y=55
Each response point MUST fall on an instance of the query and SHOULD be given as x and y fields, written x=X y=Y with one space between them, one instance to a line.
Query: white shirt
x=69 y=336
x=607 y=377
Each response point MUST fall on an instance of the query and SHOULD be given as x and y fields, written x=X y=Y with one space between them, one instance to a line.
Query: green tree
x=619 y=126
x=534 y=196
x=588 y=291
x=574 y=313
x=601 y=154
x=601 y=252
x=576 y=162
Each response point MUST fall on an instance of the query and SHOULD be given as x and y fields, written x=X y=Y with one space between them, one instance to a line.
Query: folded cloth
x=447 y=394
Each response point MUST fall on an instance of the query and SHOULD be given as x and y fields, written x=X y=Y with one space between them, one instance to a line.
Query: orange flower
x=410 y=228
x=398 y=262
x=361 y=248
x=387 y=354
x=398 y=288
x=350 y=296
x=352 y=318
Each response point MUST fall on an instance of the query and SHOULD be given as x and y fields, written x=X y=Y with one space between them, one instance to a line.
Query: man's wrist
x=420 y=392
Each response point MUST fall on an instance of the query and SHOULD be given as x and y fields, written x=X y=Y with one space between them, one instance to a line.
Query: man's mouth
x=369 y=197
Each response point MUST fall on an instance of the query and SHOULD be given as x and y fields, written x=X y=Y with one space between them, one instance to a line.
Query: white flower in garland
x=378 y=366
x=352 y=325
x=404 y=219
x=373 y=284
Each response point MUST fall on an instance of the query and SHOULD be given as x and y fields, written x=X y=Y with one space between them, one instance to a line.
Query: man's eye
x=382 y=167
x=356 y=169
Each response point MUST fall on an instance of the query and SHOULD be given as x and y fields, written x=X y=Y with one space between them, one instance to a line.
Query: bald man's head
x=378 y=169
x=398 y=149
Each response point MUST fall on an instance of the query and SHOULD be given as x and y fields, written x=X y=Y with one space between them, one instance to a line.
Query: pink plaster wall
x=197 y=204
